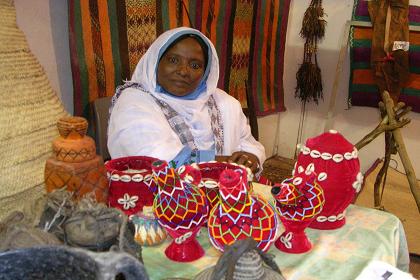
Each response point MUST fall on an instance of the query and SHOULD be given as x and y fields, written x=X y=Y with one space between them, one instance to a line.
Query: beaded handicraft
x=181 y=208
x=298 y=200
x=131 y=184
x=239 y=215
x=336 y=161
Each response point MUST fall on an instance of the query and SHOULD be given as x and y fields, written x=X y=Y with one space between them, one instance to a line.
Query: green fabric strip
x=122 y=39
x=192 y=8
x=415 y=70
x=112 y=13
x=361 y=18
x=414 y=48
x=260 y=38
x=361 y=65
x=364 y=88
x=362 y=43
x=165 y=15
x=278 y=77
x=411 y=92
x=220 y=27
x=81 y=57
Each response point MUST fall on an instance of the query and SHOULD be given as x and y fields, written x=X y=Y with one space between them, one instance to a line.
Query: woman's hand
x=246 y=159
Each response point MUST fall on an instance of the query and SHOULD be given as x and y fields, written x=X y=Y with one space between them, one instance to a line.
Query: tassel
x=309 y=83
x=313 y=24
x=308 y=77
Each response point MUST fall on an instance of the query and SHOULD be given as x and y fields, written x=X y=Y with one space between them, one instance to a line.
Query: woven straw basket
x=29 y=110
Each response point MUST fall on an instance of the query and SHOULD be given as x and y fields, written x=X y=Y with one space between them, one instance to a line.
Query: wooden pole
x=399 y=141
x=331 y=108
x=384 y=125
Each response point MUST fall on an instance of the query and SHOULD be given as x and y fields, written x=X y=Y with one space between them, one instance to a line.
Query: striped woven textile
x=362 y=88
x=107 y=38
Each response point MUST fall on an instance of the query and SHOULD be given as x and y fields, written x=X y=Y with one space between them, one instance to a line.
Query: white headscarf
x=145 y=74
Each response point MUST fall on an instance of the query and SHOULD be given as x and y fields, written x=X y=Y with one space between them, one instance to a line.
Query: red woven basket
x=131 y=183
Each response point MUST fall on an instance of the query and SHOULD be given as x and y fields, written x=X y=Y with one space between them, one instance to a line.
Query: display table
x=337 y=254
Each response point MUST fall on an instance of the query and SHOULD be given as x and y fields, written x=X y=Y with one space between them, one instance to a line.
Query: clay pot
x=73 y=145
x=74 y=164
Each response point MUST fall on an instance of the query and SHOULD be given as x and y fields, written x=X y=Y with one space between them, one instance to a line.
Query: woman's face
x=181 y=67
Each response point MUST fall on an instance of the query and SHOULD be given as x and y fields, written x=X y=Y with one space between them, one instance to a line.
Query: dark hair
x=203 y=45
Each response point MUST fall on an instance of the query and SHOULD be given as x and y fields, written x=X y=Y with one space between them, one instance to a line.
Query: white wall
x=45 y=25
x=353 y=123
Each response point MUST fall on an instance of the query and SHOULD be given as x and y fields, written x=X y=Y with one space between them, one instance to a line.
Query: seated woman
x=172 y=109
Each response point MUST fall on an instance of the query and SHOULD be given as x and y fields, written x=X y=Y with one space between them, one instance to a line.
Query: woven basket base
x=21 y=202
x=278 y=168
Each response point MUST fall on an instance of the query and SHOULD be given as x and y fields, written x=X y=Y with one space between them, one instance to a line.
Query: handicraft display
x=298 y=200
x=131 y=183
x=335 y=160
x=239 y=215
x=181 y=209
x=75 y=164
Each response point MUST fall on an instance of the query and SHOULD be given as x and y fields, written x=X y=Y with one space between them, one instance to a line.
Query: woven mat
x=28 y=115
x=397 y=199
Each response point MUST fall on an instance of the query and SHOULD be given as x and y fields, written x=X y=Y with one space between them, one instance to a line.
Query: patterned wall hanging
x=107 y=38
x=362 y=88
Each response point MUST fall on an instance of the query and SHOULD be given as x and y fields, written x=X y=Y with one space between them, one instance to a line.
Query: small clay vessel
x=73 y=145
x=74 y=164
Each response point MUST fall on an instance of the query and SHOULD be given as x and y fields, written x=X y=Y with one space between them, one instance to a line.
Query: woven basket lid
x=28 y=116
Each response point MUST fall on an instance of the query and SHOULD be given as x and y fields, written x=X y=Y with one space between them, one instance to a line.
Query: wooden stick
x=409 y=170
x=339 y=68
x=381 y=177
x=382 y=127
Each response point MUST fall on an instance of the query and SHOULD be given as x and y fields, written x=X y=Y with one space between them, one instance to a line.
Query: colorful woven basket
x=148 y=231
x=131 y=183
